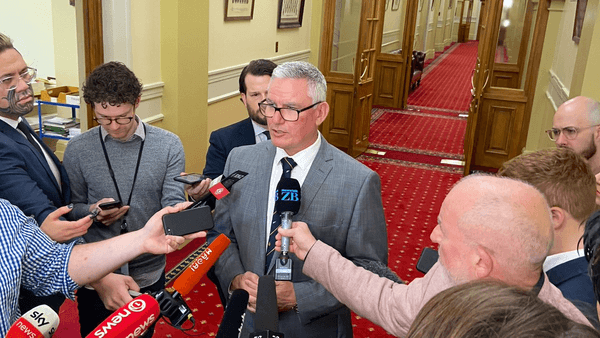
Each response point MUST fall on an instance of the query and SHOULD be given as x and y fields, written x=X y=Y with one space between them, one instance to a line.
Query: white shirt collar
x=139 y=131
x=560 y=258
x=11 y=122
x=303 y=158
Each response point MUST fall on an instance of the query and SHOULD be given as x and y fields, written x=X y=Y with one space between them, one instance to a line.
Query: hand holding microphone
x=301 y=239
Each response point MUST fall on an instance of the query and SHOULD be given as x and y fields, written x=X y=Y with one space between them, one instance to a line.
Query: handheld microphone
x=287 y=203
x=131 y=320
x=219 y=188
x=41 y=321
x=233 y=318
x=267 y=316
x=192 y=275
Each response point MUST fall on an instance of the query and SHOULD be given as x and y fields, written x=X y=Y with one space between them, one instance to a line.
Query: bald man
x=576 y=125
x=488 y=228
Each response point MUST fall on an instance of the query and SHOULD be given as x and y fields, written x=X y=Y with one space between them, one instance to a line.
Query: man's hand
x=113 y=290
x=108 y=217
x=249 y=282
x=153 y=233
x=199 y=190
x=286 y=296
x=62 y=231
x=301 y=240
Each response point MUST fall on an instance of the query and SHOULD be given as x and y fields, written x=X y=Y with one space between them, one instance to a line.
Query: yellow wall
x=145 y=40
x=238 y=42
x=183 y=54
x=393 y=27
x=566 y=48
x=65 y=44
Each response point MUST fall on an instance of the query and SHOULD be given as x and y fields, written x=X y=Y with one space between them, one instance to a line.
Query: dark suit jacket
x=573 y=280
x=221 y=143
x=25 y=177
x=341 y=203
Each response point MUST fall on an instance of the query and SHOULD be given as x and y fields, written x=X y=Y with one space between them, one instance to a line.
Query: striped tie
x=288 y=164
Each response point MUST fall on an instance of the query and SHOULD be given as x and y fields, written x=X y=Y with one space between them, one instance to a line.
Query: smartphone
x=188 y=221
x=110 y=205
x=190 y=178
x=428 y=258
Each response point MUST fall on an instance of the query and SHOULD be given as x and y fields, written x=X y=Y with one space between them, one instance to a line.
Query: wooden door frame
x=93 y=43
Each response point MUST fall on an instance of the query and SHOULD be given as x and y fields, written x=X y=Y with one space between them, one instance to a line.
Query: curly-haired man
x=128 y=161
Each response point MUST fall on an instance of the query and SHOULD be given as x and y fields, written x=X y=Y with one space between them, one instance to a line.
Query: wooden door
x=350 y=44
x=499 y=116
x=393 y=67
x=464 y=25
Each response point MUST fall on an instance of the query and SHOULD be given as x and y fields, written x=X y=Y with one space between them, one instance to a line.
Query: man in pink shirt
x=488 y=228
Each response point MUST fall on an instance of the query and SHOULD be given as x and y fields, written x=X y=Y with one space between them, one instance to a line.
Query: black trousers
x=92 y=311
x=27 y=300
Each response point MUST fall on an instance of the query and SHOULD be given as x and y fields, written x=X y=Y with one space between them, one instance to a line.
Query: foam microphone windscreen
x=131 y=320
x=233 y=317
x=39 y=322
x=192 y=275
x=288 y=196
x=267 y=315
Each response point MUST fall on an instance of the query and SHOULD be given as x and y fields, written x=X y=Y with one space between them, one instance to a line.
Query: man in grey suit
x=340 y=201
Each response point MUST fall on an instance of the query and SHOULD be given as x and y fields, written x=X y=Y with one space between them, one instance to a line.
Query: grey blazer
x=341 y=203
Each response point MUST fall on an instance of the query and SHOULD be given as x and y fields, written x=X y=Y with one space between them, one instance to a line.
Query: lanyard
x=112 y=173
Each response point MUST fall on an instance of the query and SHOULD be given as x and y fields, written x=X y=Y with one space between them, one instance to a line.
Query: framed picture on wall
x=395 y=5
x=239 y=10
x=290 y=13
x=579 y=15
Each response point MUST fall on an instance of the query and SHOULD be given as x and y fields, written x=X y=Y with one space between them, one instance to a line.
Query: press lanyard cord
x=112 y=173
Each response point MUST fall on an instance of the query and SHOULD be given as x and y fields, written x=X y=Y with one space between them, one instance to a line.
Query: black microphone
x=233 y=318
x=267 y=316
x=287 y=204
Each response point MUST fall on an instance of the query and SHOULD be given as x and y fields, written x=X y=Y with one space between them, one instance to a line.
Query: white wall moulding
x=557 y=93
x=150 y=106
x=223 y=83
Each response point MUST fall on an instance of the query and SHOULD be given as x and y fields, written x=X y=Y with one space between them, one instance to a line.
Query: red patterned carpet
x=448 y=85
x=432 y=134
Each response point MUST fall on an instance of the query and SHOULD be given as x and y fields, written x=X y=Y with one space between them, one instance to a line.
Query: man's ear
x=558 y=217
x=243 y=98
x=484 y=263
x=322 y=112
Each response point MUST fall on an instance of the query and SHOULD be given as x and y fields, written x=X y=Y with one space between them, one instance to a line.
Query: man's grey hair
x=317 y=86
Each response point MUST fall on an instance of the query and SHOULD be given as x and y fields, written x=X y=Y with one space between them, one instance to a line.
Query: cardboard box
x=60 y=93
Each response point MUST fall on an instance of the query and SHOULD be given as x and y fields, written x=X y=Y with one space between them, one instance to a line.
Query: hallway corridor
x=412 y=148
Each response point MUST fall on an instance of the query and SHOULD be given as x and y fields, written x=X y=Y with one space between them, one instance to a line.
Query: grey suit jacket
x=341 y=203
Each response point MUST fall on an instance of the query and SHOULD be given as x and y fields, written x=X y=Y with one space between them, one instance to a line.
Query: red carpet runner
x=448 y=85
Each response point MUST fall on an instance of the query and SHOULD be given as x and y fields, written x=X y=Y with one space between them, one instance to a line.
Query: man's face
x=18 y=101
x=118 y=131
x=453 y=247
x=297 y=135
x=569 y=116
x=256 y=91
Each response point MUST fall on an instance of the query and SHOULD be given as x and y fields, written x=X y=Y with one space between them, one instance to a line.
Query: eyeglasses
x=105 y=121
x=11 y=82
x=569 y=132
x=288 y=114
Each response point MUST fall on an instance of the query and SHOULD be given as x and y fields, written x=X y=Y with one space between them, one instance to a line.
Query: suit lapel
x=262 y=201
x=320 y=169
x=246 y=132
x=17 y=137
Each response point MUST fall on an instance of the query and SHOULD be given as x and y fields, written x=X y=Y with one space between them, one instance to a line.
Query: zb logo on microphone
x=287 y=195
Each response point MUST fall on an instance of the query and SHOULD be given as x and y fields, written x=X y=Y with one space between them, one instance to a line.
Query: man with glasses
x=576 y=125
x=31 y=177
x=340 y=200
x=122 y=160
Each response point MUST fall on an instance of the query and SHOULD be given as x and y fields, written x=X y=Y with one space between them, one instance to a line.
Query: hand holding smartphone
x=190 y=179
x=110 y=205
x=188 y=221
